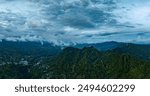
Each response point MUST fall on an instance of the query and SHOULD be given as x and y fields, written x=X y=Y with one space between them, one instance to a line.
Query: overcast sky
x=75 y=21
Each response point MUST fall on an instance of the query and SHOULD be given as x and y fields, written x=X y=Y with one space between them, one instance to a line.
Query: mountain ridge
x=124 y=61
x=90 y=63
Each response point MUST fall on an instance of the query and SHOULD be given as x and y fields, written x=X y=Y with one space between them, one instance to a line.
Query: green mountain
x=90 y=63
x=33 y=60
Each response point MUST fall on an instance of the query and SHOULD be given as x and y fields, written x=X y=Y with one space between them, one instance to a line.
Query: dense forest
x=110 y=60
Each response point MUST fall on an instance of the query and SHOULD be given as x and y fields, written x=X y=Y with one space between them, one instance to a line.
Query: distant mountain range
x=47 y=49
x=29 y=48
x=139 y=50
x=101 y=60
x=100 y=46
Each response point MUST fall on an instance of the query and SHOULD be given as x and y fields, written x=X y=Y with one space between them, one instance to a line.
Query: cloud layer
x=66 y=22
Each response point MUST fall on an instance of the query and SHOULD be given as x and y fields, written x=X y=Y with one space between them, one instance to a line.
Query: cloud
x=65 y=22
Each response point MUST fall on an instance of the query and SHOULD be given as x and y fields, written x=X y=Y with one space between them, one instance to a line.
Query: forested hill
x=36 y=60
x=91 y=63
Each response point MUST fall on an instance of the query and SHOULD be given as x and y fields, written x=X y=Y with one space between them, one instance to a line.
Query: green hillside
x=126 y=61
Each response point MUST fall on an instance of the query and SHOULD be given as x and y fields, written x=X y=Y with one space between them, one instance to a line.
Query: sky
x=65 y=22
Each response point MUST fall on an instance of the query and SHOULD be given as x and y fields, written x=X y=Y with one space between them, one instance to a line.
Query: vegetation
x=89 y=63
x=74 y=63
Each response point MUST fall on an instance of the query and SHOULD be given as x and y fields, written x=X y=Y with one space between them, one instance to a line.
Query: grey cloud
x=66 y=21
x=79 y=14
